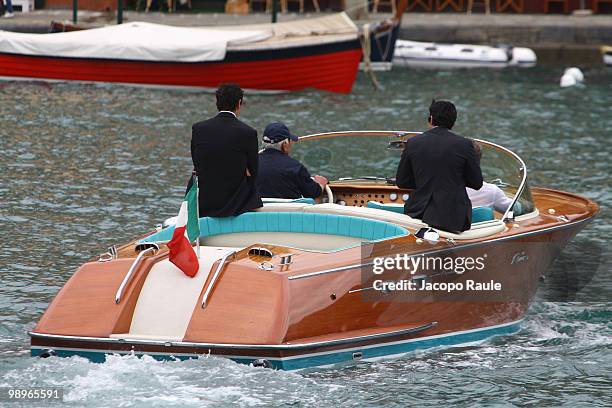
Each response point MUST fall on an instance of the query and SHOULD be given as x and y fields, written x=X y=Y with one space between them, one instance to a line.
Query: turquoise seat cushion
x=479 y=214
x=303 y=200
x=482 y=214
x=396 y=208
x=331 y=224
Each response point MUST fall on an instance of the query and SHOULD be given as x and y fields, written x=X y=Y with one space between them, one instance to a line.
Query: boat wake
x=556 y=339
x=134 y=381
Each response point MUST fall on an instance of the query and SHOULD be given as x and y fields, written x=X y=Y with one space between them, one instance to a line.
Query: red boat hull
x=329 y=67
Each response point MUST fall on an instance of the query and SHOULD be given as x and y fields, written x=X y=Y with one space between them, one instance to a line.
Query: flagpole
x=195 y=176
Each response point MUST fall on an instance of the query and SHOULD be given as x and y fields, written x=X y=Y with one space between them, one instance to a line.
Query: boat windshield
x=373 y=156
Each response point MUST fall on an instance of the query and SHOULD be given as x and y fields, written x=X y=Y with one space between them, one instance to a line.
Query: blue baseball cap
x=277 y=132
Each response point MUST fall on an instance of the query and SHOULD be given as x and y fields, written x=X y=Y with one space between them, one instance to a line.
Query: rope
x=389 y=42
x=366 y=49
x=366 y=6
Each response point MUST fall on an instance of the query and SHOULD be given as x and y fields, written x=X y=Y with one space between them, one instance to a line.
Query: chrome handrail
x=215 y=277
x=128 y=276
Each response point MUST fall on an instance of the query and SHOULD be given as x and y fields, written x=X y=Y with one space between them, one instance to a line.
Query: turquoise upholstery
x=482 y=214
x=479 y=214
x=362 y=228
x=396 y=208
x=303 y=200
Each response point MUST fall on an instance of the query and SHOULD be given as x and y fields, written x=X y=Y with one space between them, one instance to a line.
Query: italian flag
x=186 y=230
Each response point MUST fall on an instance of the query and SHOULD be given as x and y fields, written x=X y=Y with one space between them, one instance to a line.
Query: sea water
x=83 y=167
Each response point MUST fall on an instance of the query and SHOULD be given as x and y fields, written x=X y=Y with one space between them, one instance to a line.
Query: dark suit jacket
x=222 y=148
x=282 y=176
x=438 y=165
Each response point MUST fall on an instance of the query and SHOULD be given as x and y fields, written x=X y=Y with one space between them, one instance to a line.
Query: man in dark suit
x=280 y=175
x=439 y=164
x=224 y=153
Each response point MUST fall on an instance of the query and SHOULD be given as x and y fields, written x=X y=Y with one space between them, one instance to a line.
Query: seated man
x=280 y=175
x=489 y=194
x=439 y=165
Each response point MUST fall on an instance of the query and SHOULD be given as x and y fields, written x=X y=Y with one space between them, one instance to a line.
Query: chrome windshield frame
x=506 y=217
x=402 y=134
x=352 y=133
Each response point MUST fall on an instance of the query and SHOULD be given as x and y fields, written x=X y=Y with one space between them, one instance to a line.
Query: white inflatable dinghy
x=434 y=55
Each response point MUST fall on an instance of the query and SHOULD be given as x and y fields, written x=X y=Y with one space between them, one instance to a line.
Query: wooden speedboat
x=321 y=53
x=435 y=55
x=293 y=285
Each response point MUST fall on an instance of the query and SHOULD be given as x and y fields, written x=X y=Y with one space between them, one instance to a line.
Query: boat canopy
x=133 y=41
x=140 y=41
x=319 y=30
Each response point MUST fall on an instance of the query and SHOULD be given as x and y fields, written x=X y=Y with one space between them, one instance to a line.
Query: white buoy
x=567 y=80
x=576 y=73
x=571 y=76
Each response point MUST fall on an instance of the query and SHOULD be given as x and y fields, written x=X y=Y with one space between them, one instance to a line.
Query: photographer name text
x=423 y=285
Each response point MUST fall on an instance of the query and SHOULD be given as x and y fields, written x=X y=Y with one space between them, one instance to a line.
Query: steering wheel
x=330 y=195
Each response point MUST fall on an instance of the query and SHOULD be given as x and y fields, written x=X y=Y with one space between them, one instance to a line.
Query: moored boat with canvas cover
x=318 y=283
x=321 y=53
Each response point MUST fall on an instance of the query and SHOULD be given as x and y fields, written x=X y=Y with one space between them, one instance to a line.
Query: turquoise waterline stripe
x=326 y=358
x=400 y=348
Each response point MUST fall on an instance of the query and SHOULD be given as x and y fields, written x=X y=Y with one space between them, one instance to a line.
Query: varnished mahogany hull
x=315 y=313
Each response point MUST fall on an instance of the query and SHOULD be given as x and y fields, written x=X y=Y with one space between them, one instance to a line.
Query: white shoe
x=8 y=15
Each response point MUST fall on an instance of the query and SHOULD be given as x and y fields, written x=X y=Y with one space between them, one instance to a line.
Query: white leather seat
x=283 y=207
x=168 y=298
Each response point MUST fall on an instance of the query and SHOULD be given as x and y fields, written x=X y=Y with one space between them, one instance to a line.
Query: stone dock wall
x=557 y=39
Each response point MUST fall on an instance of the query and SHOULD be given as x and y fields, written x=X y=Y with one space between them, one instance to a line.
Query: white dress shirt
x=489 y=195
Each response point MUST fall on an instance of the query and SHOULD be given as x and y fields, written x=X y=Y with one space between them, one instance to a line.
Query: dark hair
x=477 y=149
x=443 y=113
x=228 y=96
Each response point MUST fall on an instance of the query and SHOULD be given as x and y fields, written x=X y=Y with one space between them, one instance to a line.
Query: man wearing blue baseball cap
x=280 y=175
